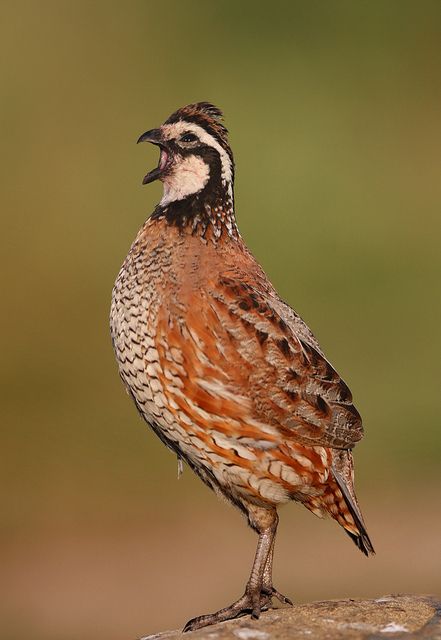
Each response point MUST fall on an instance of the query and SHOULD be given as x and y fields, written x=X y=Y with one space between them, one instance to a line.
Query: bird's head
x=195 y=157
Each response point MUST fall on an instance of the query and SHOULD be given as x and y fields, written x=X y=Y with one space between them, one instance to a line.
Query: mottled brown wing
x=290 y=383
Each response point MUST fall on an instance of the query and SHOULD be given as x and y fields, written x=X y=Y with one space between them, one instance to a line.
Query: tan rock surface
x=393 y=617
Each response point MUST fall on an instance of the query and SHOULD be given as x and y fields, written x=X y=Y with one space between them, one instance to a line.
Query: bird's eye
x=188 y=137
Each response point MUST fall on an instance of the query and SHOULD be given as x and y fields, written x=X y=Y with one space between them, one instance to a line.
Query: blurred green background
x=334 y=114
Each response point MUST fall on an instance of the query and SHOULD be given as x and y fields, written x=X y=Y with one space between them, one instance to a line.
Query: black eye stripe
x=188 y=137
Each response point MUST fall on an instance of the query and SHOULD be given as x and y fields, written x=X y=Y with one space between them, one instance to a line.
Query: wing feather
x=253 y=367
x=289 y=381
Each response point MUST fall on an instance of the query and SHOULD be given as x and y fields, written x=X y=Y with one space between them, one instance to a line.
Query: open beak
x=154 y=136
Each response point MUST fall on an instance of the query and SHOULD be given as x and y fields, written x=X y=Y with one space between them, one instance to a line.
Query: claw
x=191 y=625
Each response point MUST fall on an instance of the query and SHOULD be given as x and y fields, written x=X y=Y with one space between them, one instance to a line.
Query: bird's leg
x=255 y=598
x=254 y=588
x=267 y=583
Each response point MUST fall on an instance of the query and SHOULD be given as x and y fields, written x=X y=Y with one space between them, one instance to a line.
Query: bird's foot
x=251 y=603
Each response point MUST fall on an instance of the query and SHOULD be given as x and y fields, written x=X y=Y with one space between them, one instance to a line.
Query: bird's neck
x=208 y=213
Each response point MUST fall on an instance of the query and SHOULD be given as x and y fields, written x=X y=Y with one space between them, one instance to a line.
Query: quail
x=226 y=374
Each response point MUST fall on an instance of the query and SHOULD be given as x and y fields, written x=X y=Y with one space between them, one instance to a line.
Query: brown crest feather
x=206 y=115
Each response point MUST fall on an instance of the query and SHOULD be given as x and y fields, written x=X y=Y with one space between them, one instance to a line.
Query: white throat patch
x=189 y=176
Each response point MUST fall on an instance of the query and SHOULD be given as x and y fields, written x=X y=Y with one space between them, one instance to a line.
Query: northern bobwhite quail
x=226 y=373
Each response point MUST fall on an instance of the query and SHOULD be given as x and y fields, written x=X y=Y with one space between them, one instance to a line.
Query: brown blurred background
x=334 y=113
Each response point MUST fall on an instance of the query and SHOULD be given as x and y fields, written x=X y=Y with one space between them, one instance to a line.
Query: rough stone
x=392 y=617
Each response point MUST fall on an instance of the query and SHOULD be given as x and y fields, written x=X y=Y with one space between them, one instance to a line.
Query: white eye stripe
x=178 y=128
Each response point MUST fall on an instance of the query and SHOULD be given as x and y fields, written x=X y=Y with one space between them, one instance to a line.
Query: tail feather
x=339 y=501
x=360 y=536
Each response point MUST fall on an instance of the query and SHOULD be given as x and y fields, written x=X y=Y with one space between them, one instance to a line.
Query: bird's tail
x=340 y=502
x=354 y=524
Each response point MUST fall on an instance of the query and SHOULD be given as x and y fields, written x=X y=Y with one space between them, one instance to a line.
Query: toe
x=273 y=593
x=281 y=597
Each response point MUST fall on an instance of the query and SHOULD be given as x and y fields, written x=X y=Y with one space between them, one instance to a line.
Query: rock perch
x=392 y=617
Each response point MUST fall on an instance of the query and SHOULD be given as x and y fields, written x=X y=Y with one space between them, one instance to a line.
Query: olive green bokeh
x=334 y=114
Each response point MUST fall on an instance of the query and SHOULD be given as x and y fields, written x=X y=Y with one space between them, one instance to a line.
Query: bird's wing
x=278 y=367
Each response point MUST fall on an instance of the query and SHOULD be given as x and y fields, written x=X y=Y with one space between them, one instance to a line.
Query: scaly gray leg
x=259 y=589
x=267 y=584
